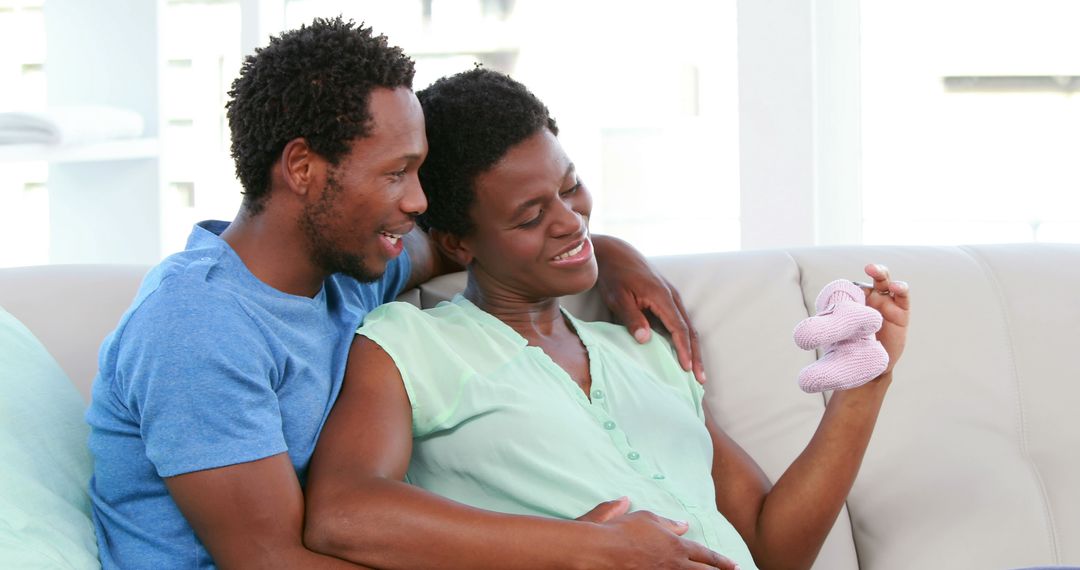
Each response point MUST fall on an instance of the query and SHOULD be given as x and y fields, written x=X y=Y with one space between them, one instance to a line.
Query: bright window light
x=971 y=121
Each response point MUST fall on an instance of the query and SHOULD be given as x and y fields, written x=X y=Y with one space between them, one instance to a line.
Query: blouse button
x=598 y=394
x=633 y=456
x=659 y=476
x=609 y=425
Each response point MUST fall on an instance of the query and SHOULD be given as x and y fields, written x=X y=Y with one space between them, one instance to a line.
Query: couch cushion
x=973 y=463
x=44 y=506
x=88 y=299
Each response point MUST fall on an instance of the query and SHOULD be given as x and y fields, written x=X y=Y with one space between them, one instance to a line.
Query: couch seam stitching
x=1021 y=422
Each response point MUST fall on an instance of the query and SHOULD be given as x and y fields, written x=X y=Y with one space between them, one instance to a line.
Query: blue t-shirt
x=211 y=367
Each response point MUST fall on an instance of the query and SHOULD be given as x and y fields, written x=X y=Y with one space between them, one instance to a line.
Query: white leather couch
x=975 y=463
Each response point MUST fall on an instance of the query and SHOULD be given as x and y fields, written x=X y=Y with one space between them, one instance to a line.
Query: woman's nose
x=567 y=221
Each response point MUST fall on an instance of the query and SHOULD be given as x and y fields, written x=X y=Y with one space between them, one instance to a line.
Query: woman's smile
x=576 y=255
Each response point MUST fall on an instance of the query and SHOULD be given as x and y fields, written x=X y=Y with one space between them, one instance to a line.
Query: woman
x=503 y=401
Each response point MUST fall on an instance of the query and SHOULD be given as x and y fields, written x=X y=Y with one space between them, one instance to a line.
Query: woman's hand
x=890 y=298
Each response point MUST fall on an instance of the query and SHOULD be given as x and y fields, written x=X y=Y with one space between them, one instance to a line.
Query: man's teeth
x=571 y=253
x=392 y=238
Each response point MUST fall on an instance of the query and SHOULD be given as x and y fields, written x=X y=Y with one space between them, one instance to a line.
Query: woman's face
x=531 y=223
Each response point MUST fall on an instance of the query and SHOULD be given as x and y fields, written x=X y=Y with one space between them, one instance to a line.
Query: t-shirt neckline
x=208 y=234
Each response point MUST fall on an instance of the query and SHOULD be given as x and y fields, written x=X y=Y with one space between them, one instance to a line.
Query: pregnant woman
x=501 y=413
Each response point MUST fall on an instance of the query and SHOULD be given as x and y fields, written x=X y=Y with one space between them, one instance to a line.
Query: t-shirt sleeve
x=433 y=373
x=197 y=373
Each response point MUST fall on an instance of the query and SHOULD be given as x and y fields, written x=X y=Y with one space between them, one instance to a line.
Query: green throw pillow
x=44 y=463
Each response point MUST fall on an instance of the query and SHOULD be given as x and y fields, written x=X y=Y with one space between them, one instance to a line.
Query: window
x=200 y=45
x=645 y=95
x=971 y=121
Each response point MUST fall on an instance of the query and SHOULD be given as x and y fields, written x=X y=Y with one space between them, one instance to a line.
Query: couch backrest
x=975 y=462
x=71 y=308
x=976 y=459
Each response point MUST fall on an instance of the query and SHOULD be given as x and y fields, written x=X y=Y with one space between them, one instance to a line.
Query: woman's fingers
x=890 y=298
x=900 y=291
x=880 y=274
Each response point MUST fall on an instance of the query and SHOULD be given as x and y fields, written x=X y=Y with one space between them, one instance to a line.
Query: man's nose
x=414 y=202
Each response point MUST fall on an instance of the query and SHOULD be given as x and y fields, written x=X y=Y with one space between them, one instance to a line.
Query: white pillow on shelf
x=70 y=125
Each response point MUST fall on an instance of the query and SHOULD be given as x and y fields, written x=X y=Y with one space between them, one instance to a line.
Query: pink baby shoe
x=844 y=329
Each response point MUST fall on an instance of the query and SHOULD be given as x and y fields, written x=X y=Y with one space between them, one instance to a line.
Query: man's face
x=531 y=221
x=355 y=222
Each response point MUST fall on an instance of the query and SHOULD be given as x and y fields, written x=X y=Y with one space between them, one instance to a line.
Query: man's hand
x=630 y=287
x=657 y=539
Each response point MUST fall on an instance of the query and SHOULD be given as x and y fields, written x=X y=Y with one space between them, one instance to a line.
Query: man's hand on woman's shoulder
x=631 y=287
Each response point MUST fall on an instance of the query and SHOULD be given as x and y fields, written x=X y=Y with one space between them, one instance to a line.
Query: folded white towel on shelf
x=70 y=125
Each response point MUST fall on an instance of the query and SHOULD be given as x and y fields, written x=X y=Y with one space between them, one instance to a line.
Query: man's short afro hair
x=473 y=118
x=312 y=82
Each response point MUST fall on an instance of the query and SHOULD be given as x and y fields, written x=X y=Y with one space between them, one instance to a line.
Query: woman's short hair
x=473 y=118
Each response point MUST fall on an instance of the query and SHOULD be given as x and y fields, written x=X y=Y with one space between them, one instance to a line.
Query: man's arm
x=786 y=524
x=194 y=371
x=358 y=507
x=426 y=259
x=629 y=286
x=249 y=515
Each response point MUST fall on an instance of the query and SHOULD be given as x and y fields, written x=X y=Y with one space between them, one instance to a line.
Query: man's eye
x=399 y=173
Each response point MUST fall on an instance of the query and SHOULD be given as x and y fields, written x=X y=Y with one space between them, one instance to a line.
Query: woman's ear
x=298 y=166
x=452 y=247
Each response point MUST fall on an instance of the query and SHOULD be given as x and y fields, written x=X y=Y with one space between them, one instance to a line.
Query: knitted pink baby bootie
x=841 y=313
x=844 y=328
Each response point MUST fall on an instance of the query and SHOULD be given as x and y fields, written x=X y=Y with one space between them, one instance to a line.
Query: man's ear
x=452 y=247
x=299 y=166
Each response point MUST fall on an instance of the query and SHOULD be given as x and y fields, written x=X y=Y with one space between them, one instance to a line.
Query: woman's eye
x=532 y=222
x=572 y=190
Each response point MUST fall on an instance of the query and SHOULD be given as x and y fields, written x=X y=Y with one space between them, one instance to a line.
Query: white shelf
x=102 y=151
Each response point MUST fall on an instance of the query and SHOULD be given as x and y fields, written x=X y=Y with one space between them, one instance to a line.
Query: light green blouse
x=498 y=425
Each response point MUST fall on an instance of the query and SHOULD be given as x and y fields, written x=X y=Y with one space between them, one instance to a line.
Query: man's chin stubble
x=347 y=264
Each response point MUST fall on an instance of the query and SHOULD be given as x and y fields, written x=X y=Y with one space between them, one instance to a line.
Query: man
x=214 y=386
